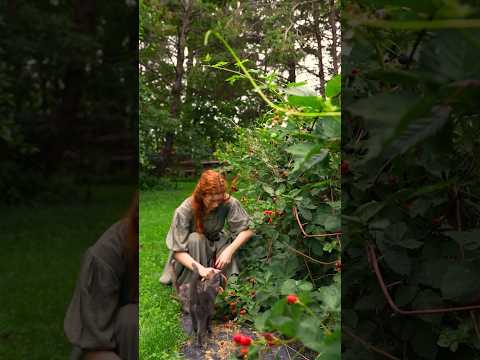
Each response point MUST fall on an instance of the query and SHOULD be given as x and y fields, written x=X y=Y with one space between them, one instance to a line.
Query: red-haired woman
x=102 y=318
x=197 y=234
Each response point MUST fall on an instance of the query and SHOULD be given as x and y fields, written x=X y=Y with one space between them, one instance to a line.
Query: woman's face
x=212 y=201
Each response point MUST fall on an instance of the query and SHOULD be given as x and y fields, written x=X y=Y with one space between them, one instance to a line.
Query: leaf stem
x=257 y=88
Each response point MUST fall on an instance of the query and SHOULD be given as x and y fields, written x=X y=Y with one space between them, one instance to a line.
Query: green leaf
x=288 y=287
x=384 y=110
x=332 y=223
x=369 y=210
x=301 y=91
x=412 y=130
x=333 y=86
x=268 y=189
x=405 y=294
x=396 y=232
x=431 y=272
x=424 y=343
x=410 y=244
x=470 y=240
x=330 y=297
x=331 y=347
x=398 y=261
x=311 y=102
x=300 y=150
x=284 y=324
x=460 y=282
x=329 y=128
x=310 y=334
x=260 y=320
x=428 y=299
x=305 y=286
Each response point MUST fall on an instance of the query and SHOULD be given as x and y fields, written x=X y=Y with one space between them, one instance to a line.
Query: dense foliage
x=289 y=162
x=187 y=106
x=68 y=95
x=410 y=186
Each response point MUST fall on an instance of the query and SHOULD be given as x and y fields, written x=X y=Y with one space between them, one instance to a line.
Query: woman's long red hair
x=210 y=182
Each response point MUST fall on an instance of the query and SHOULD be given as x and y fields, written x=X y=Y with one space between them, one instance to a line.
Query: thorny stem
x=259 y=90
x=239 y=74
x=310 y=258
x=372 y=257
x=327 y=330
x=295 y=213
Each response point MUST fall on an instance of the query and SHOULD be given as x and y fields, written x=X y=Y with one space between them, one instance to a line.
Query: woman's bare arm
x=241 y=239
x=226 y=256
x=186 y=260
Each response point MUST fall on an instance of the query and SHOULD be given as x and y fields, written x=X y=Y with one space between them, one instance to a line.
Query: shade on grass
x=41 y=249
x=160 y=329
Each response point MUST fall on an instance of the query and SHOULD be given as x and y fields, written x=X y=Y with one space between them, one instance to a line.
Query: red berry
x=268 y=336
x=268 y=212
x=270 y=220
x=345 y=167
x=338 y=265
x=355 y=71
x=244 y=351
x=407 y=205
x=246 y=340
x=237 y=338
x=392 y=180
x=292 y=299
x=243 y=312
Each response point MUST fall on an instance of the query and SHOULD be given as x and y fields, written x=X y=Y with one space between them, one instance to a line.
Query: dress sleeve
x=179 y=231
x=237 y=218
x=90 y=318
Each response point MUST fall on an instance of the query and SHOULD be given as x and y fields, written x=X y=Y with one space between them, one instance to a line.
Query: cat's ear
x=224 y=277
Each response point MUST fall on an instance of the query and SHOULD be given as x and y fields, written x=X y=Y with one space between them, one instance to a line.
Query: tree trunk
x=333 y=26
x=167 y=151
x=65 y=120
x=318 y=38
x=291 y=66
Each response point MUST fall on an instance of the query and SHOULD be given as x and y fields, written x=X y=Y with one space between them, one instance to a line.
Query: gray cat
x=202 y=301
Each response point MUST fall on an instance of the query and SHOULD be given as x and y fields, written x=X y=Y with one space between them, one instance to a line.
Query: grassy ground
x=41 y=248
x=160 y=331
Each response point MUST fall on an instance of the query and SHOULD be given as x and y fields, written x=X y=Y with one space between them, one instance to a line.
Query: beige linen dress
x=102 y=314
x=203 y=247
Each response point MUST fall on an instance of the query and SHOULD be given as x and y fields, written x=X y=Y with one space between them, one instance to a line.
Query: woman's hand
x=205 y=271
x=224 y=258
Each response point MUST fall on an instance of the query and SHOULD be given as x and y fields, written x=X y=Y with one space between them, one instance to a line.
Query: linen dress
x=102 y=314
x=203 y=247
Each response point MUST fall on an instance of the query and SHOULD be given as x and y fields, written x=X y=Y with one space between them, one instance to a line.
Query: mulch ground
x=219 y=344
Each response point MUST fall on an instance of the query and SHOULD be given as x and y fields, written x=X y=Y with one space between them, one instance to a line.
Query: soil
x=219 y=344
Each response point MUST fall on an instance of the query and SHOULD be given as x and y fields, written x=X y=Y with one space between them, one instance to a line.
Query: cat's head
x=217 y=281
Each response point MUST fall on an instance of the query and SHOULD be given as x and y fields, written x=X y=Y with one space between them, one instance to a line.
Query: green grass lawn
x=41 y=248
x=160 y=330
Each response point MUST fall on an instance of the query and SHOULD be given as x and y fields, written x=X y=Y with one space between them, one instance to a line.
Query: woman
x=102 y=319
x=197 y=235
